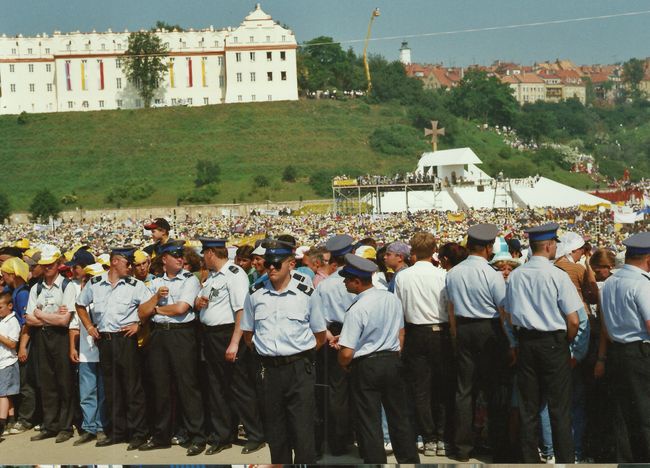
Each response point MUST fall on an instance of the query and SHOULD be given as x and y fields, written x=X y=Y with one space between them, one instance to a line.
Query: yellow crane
x=375 y=13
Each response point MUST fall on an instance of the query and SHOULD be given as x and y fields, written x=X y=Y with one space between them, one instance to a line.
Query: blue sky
x=598 y=41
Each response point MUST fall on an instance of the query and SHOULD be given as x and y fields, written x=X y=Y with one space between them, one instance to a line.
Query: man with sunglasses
x=49 y=309
x=114 y=324
x=229 y=362
x=285 y=331
x=173 y=350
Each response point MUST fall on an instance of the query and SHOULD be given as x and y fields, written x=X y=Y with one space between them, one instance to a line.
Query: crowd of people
x=519 y=335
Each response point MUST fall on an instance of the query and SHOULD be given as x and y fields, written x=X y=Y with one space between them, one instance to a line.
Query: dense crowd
x=404 y=333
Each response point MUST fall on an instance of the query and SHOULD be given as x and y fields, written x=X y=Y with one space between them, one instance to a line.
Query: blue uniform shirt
x=475 y=288
x=626 y=304
x=332 y=299
x=539 y=295
x=184 y=287
x=113 y=307
x=373 y=323
x=226 y=291
x=283 y=323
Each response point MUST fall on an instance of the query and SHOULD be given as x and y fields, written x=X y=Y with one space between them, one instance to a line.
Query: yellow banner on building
x=203 y=82
x=171 y=73
x=83 y=75
x=594 y=207
x=345 y=183
x=456 y=217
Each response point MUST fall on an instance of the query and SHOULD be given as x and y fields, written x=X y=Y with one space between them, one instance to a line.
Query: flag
x=455 y=217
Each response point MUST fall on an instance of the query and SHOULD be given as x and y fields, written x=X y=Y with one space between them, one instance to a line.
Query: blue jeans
x=384 y=425
x=91 y=397
x=546 y=434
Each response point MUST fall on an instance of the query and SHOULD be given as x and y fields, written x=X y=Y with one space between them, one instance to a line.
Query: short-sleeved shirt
x=184 y=287
x=372 y=323
x=10 y=328
x=332 y=298
x=226 y=291
x=625 y=304
x=475 y=288
x=113 y=307
x=283 y=322
x=539 y=296
x=51 y=297
x=421 y=288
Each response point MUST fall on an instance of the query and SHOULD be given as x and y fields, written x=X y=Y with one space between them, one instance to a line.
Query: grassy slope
x=89 y=153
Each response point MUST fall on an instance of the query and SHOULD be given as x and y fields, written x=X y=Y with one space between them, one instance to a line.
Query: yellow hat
x=49 y=254
x=95 y=269
x=22 y=244
x=70 y=253
x=140 y=256
x=366 y=251
x=104 y=259
x=17 y=267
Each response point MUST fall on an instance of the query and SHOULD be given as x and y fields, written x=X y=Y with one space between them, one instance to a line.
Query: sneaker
x=441 y=449
x=430 y=449
x=388 y=447
x=38 y=428
x=548 y=459
x=19 y=428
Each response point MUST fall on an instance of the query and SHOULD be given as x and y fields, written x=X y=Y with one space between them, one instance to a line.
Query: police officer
x=114 y=324
x=626 y=314
x=285 y=331
x=173 y=350
x=228 y=359
x=333 y=299
x=544 y=304
x=476 y=292
x=50 y=307
x=370 y=343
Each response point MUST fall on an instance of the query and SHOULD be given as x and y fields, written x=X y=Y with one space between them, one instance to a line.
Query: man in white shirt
x=427 y=345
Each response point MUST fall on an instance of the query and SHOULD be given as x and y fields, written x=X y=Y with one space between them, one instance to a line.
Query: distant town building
x=405 y=53
x=526 y=87
x=84 y=71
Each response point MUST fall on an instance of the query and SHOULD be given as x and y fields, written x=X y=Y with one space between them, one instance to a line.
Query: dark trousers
x=28 y=403
x=428 y=359
x=173 y=358
x=125 y=399
x=482 y=364
x=288 y=403
x=544 y=370
x=55 y=373
x=231 y=387
x=378 y=380
x=630 y=372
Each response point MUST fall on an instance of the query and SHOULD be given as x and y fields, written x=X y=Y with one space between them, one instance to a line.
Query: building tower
x=405 y=53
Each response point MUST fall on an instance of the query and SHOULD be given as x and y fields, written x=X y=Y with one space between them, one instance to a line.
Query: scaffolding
x=360 y=198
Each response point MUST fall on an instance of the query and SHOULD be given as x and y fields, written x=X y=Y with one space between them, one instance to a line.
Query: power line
x=490 y=28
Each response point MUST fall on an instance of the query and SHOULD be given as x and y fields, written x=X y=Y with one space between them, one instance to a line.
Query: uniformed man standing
x=114 y=325
x=50 y=307
x=544 y=304
x=285 y=331
x=228 y=359
x=370 y=344
x=626 y=313
x=476 y=292
x=332 y=299
x=173 y=350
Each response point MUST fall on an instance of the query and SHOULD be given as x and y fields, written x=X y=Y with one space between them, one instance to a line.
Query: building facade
x=84 y=71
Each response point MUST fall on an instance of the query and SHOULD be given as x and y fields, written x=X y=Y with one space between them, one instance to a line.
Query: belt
x=526 y=333
x=436 y=327
x=217 y=328
x=277 y=361
x=172 y=326
x=463 y=320
x=111 y=335
x=376 y=354
x=54 y=328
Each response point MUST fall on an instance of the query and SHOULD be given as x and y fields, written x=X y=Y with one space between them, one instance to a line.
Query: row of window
x=269 y=76
x=269 y=56
x=30 y=67
x=30 y=51
x=138 y=102
x=240 y=98
x=251 y=39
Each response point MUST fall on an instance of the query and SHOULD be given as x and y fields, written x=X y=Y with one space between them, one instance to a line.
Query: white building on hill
x=83 y=71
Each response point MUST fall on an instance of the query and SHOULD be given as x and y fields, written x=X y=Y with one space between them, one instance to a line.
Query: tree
x=261 y=181
x=5 y=207
x=633 y=72
x=144 y=64
x=164 y=26
x=484 y=98
x=323 y=64
x=289 y=174
x=44 y=204
x=207 y=172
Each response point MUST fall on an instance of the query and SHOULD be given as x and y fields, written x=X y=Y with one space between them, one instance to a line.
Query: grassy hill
x=91 y=154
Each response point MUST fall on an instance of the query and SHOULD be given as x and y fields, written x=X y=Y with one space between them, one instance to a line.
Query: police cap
x=357 y=267
x=638 y=244
x=544 y=232
x=276 y=250
x=173 y=247
x=210 y=242
x=339 y=244
x=482 y=234
x=126 y=252
x=82 y=258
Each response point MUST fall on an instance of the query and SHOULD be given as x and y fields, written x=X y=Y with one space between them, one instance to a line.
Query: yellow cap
x=104 y=259
x=49 y=255
x=140 y=256
x=16 y=266
x=70 y=253
x=95 y=269
x=366 y=251
x=22 y=244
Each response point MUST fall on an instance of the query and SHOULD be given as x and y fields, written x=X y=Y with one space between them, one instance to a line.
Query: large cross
x=434 y=131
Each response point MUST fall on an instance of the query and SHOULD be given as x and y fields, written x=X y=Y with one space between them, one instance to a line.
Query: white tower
x=405 y=53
